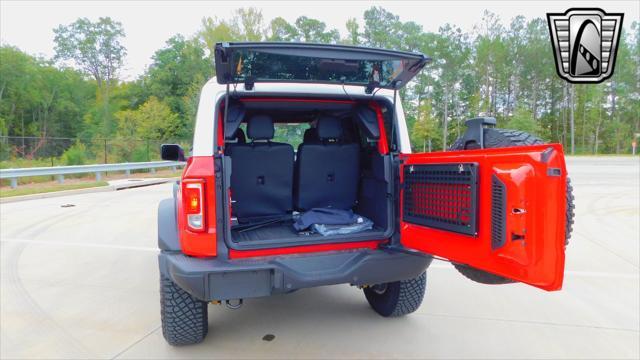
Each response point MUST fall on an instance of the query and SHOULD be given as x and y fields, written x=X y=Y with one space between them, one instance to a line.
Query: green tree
x=488 y=40
x=178 y=72
x=18 y=96
x=313 y=30
x=424 y=130
x=75 y=155
x=452 y=57
x=252 y=23
x=500 y=69
x=523 y=120
x=624 y=94
x=38 y=99
x=381 y=28
x=95 y=48
x=153 y=120
x=215 y=30
x=353 y=32
x=247 y=24
x=281 y=30
x=304 y=29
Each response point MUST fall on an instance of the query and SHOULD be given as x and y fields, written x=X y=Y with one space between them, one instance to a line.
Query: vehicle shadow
x=333 y=301
x=318 y=315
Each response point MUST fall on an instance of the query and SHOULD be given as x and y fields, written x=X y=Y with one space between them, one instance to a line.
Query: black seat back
x=327 y=173
x=230 y=144
x=261 y=173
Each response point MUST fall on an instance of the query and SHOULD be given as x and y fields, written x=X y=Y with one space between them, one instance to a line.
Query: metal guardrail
x=99 y=169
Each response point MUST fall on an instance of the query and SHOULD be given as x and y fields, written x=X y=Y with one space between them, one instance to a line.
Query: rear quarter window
x=290 y=133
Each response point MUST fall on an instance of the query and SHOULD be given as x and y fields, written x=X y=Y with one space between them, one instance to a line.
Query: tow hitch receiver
x=233 y=306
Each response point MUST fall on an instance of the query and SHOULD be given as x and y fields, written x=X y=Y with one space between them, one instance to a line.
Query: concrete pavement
x=79 y=279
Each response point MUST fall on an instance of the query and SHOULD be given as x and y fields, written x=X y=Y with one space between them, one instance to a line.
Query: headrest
x=260 y=127
x=329 y=127
x=310 y=136
x=240 y=136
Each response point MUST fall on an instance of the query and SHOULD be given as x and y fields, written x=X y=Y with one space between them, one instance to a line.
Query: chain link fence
x=24 y=151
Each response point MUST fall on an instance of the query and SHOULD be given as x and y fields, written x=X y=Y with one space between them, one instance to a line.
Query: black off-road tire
x=499 y=138
x=184 y=318
x=571 y=212
x=397 y=298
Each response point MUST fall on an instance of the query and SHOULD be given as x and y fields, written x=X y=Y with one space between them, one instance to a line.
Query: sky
x=148 y=24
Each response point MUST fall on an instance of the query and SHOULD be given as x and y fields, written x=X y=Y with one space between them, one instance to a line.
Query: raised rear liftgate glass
x=315 y=63
x=257 y=66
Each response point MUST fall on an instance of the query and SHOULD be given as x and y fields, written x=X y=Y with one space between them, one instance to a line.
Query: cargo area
x=294 y=157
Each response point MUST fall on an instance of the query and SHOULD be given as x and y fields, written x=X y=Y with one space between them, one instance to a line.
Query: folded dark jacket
x=324 y=216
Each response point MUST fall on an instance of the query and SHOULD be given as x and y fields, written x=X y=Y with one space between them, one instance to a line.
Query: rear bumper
x=217 y=279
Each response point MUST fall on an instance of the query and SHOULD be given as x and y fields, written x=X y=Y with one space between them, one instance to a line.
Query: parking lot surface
x=79 y=279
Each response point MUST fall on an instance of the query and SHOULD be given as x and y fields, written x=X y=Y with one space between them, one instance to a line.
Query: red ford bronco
x=254 y=216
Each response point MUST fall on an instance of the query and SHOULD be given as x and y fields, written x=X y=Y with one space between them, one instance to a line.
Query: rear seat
x=262 y=173
x=327 y=173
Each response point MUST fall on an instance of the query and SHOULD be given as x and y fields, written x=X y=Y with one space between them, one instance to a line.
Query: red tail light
x=192 y=195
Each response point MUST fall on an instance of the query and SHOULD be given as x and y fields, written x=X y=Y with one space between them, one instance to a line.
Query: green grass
x=25 y=190
x=24 y=163
x=176 y=174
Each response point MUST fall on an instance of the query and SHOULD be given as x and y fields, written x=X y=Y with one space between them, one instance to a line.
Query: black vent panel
x=498 y=213
x=441 y=196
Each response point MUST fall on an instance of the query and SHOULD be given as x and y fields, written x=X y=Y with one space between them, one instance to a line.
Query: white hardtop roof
x=203 y=139
x=297 y=88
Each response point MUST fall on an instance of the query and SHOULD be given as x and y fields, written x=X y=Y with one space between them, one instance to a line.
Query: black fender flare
x=168 y=239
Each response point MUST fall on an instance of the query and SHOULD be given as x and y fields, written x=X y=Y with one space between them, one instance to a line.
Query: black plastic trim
x=546 y=155
x=167 y=226
x=498 y=213
x=219 y=279
x=473 y=137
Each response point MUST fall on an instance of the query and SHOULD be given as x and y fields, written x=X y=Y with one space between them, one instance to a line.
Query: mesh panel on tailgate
x=441 y=196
